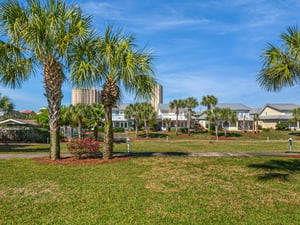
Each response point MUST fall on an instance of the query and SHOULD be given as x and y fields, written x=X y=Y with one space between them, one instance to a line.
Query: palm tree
x=209 y=101
x=97 y=117
x=221 y=114
x=147 y=114
x=281 y=66
x=227 y=115
x=40 y=35
x=80 y=113
x=176 y=104
x=190 y=103
x=167 y=121
x=5 y=104
x=113 y=61
x=133 y=111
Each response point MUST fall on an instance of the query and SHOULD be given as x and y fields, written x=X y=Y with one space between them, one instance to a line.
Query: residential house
x=273 y=114
x=118 y=117
x=244 y=119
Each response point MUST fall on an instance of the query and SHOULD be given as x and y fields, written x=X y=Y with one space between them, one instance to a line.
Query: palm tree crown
x=40 y=34
x=114 y=62
x=177 y=104
x=281 y=66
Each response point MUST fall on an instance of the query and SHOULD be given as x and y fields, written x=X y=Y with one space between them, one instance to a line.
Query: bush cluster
x=83 y=146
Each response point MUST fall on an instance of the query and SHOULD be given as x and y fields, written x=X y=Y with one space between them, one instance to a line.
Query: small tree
x=177 y=104
x=167 y=122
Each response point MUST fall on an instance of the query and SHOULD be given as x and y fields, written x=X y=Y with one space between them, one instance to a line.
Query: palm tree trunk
x=176 y=129
x=136 y=128
x=216 y=129
x=96 y=132
x=53 y=78
x=108 y=134
x=79 y=129
x=146 y=129
x=189 y=122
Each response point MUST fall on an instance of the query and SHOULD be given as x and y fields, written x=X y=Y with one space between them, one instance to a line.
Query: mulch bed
x=291 y=156
x=73 y=161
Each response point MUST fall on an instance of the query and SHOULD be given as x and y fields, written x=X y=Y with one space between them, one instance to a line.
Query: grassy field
x=264 y=142
x=152 y=190
x=157 y=190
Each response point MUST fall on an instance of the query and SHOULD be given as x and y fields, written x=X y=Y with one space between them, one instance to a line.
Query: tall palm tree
x=40 y=34
x=5 y=104
x=80 y=113
x=133 y=111
x=176 y=104
x=281 y=67
x=190 y=103
x=209 y=101
x=113 y=61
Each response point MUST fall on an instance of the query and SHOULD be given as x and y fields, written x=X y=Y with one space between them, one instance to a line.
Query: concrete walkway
x=149 y=154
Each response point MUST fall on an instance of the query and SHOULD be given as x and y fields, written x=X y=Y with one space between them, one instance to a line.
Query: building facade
x=86 y=96
x=273 y=114
x=157 y=97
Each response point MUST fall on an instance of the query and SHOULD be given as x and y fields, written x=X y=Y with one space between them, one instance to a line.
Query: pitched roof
x=255 y=111
x=121 y=106
x=234 y=106
x=282 y=107
x=19 y=121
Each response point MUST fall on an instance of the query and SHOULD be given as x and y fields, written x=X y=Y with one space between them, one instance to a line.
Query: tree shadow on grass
x=22 y=148
x=150 y=154
x=277 y=169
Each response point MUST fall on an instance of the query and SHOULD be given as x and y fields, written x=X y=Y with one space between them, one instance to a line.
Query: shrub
x=119 y=129
x=282 y=126
x=84 y=146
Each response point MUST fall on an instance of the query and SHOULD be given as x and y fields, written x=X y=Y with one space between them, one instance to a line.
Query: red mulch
x=73 y=161
x=292 y=156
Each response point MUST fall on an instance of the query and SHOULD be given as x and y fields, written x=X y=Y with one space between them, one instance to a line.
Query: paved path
x=145 y=154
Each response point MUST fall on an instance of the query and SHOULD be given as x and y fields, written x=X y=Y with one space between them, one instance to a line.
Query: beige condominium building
x=87 y=96
x=157 y=97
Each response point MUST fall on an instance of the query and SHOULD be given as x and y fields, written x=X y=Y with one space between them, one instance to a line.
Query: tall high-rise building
x=87 y=96
x=157 y=97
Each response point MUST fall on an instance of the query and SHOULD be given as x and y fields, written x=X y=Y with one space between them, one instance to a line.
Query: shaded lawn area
x=23 y=148
x=152 y=190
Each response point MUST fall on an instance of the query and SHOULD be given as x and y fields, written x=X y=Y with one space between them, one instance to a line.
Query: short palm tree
x=133 y=111
x=227 y=115
x=176 y=104
x=147 y=114
x=167 y=122
x=6 y=105
x=209 y=101
x=80 y=113
x=220 y=114
x=281 y=66
x=97 y=117
x=113 y=61
x=190 y=103
x=40 y=34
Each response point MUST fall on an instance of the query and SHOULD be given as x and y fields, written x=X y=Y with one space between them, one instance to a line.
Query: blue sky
x=201 y=47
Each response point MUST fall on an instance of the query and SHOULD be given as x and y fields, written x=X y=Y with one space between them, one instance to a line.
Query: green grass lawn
x=152 y=190
x=157 y=190
x=276 y=141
